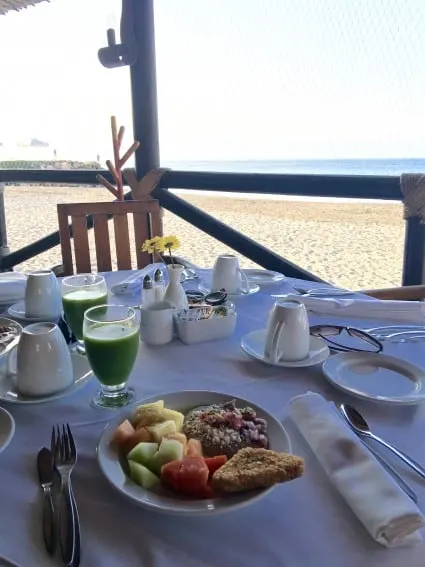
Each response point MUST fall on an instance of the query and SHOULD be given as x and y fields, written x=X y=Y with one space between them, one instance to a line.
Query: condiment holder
x=205 y=322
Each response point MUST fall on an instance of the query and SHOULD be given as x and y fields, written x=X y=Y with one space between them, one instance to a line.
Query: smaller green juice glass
x=111 y=339
x=79 y=293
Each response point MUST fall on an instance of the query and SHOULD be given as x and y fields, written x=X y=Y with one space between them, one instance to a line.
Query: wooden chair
x=147 y=223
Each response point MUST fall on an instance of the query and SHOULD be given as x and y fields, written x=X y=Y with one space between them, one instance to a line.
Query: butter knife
x=45 y=475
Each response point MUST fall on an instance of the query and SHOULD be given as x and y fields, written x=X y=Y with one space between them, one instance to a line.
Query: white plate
x=9 y=392
x=253 y=344
x=376 y=377
x=12 y=287
x=165 y=501
x=7 y=429
x=17 y=311
x=263 y=277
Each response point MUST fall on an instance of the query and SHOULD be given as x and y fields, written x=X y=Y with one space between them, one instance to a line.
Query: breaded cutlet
x=256 y=468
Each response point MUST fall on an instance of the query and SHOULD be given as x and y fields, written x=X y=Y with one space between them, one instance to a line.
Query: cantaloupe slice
x=122 y=433
x=141 y=435
x=194 y=448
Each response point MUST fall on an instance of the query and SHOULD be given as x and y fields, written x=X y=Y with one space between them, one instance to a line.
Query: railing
x=365 y=187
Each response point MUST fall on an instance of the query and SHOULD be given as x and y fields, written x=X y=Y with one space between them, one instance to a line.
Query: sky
x=237 y=79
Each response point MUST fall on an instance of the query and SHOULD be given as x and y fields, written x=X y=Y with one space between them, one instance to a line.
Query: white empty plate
x=7 y=429
x=253 y=344
x=376 y=377
x=163 y=500
x=17 y=311
x=263 y=277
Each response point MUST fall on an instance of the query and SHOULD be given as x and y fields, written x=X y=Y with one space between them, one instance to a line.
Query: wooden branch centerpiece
x=115 y=168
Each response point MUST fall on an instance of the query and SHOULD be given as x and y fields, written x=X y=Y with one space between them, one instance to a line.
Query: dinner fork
x=65 y=456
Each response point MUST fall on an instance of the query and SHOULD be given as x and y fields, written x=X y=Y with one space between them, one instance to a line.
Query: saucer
x=7 y=429
x=253 y=344
x=9 y=392
x=252 y=288
x=376 y=377
x=17 y=311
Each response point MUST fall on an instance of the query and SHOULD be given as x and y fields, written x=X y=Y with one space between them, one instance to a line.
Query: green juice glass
x=111 y=339
x=79 y=293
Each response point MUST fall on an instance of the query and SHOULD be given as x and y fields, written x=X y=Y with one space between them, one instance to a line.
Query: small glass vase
x=175 y=294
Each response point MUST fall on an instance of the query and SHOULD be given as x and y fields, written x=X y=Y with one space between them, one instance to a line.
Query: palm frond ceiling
x=8 y=5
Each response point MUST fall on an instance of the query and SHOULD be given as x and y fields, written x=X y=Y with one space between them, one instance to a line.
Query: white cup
x=42 y=296
x=156 y=323
x=288 y=332
x=228 y=276
x=43 y=361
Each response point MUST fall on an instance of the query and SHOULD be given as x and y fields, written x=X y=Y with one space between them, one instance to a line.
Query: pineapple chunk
x=160 y=430
x=148 y=414
x=175 y=416
x=180 y=437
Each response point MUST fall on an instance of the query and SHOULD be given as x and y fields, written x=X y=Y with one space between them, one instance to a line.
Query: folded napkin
x=12 y=287
x=387 y=513
x=403 y=311
x=133 y=283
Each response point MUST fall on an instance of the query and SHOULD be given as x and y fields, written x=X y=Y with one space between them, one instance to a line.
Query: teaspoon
x=360 y=426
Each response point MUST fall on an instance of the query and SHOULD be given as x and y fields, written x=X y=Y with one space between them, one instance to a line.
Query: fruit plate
x=163 y=500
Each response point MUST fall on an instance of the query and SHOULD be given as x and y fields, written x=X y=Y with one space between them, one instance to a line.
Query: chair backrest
x=146 y=220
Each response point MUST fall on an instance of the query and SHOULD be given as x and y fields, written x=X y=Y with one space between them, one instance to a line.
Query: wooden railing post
x=4 y=249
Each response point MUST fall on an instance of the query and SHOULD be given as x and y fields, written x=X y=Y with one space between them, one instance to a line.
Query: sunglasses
x=327 y=331
x=196 y=297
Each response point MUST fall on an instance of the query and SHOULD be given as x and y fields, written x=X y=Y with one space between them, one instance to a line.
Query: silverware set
x=360 y=426
x=60 y=515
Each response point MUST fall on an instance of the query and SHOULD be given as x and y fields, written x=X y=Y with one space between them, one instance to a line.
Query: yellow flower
x=152 y=245
x=170 y=243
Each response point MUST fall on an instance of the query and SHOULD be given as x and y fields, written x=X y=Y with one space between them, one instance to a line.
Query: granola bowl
x=163 y=500
x=10 y=333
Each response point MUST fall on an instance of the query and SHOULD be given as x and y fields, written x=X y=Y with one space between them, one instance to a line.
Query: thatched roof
x=7 y=5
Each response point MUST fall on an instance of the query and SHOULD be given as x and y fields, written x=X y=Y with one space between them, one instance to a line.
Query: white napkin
x=133 y=283
x=387 y=513
x=12 y=287
x=403 y=311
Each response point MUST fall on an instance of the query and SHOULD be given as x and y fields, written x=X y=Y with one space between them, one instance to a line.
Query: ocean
x=378 y=167
x=382 y=166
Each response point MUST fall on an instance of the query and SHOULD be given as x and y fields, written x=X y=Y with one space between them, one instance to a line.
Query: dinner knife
x=45 y=475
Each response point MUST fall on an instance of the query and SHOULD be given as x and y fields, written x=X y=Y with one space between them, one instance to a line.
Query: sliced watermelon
x=214 y=463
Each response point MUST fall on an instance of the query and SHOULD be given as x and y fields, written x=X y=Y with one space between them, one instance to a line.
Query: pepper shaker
x=159 y=285
x=148 y=292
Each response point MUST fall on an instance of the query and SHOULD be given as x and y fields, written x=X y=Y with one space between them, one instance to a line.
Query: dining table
x=303 y=523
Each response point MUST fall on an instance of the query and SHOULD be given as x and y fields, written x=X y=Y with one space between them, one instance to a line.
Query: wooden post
x=4 y=249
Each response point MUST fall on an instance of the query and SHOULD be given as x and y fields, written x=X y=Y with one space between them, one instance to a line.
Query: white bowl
x=164 y=501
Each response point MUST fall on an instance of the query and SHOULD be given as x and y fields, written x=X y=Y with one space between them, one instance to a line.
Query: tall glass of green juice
x=79 y=293
x=111 y=339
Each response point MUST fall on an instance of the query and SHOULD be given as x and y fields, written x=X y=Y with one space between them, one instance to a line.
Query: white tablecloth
x=304 y=523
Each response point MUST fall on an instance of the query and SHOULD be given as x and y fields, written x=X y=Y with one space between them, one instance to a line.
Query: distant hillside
x=58 y=164
x=38 y=143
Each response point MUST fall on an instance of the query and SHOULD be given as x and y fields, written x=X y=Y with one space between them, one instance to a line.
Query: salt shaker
x=159 y=285
x=148 y=292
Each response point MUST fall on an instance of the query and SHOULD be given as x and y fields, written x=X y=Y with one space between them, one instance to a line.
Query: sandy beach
x=355 y=245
